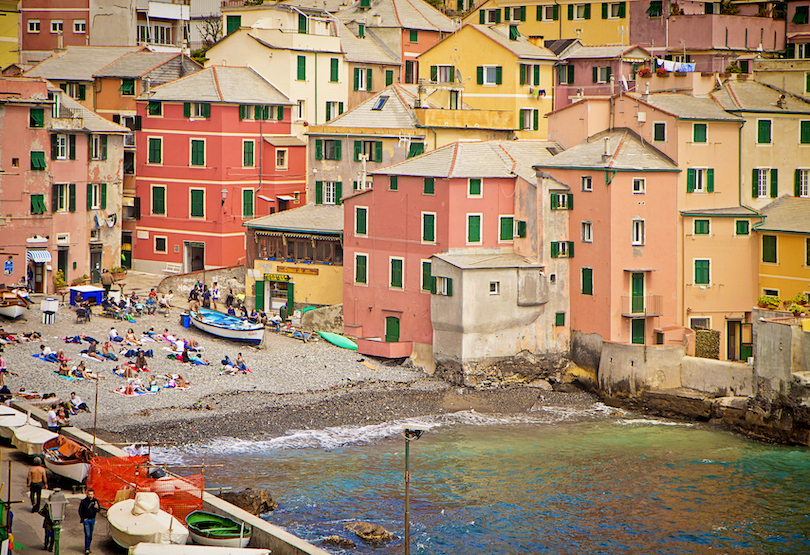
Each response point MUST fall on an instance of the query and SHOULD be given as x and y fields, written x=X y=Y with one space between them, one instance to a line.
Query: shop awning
x=268 y=199
x=284 y=197
x=39 y=256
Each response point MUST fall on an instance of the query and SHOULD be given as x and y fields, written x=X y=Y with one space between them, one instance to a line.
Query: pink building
x=215 y=150
x=798 y=29
x=47 y=25
x=459 y=199
x=62 y=187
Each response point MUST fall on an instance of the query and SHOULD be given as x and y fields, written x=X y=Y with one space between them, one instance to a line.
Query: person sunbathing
x=64 y=370
x=140 y=360
x=130 y=338
x=125 y=371
x=107 y=351
x=192 y=345
x=168 y=337
x=91 y=350
x=240 y=363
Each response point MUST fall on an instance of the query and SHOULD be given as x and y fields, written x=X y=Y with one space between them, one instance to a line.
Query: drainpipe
x=315 y=82
x=261 y=154
x=435 y=139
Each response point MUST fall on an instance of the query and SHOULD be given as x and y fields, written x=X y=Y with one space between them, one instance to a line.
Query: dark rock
x=372 y=533
x=256 y=501
x=345 y=543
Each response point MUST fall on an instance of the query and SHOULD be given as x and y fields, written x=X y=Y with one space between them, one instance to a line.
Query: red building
x=214 y=150
x=49 y=24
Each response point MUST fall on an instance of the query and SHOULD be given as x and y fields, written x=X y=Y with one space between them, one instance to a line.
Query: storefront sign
x=8 y=267
x=296 y=270
x=276 y=277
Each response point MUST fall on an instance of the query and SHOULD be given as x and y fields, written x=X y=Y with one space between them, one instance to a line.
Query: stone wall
x=718 y=378
x=586 y=350
x=230 y=276
x=774 y=349
x=328 y=318
x=634 y=368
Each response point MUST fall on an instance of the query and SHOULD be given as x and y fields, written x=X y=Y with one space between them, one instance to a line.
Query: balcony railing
x=642 y=306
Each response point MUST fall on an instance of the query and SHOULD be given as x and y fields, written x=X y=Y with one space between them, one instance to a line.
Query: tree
x=210 y=29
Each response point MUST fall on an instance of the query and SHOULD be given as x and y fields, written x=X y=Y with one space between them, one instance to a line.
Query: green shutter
x=710 y=180
x=378 y=151
x=536 y=123
x=158 y=200
x=72 y=147
x=498 y=75
x=555 y=12
x=206 y=110
x=497 y=16
x=360 y=224
x=797 y=183
x=595 y=71
x=475 y=187
x=507 y=228
x=570 y=249
x=357 y=78
x=328 y=111
x=559 y=319
x=54 y=198
x=769 y=248
x=570 y=12
x=587 y=11
x=89 y=196
x=127 y=86
x=622 y=11
x=247 y=154
x=608 y=73
x=396 y=272
x=389 y=77
x=536 y=75
x=36 y=117
x=82 y=92
x=755 y=183
x=742 y=227
x=473 y=229
x=392 y=183
x=482 y=15
x=154 y=151
x=302 y=24
x=521 y=228
x=104 y=147
x=38 y=160
x=690 y=180
x=479 y=75
x=72 y=197
x=434 y=73
x=555 y=249
x=571 y=74
x=449 y=286
x=358 y=150
x=369 y=74
x=554 y=201
x=587 y=281
x=247 y=202
x=198 y=203
x=103 y=188
x=764 y=131
x=259 y=290
x=429 y=188
x=339 y=193
x=416 y=149
x=233 y=23
x=774 y=183
x=186 y=109
x=302 y=68
x=522 y=74
x=522 y=120
x=197 y=153
x=319 y=149
x=523 y=13
x=701 y=272
x=804 y=134
x=319 y=192
x=426 y=277
x=337 y=150
x=570 y=200
x=699 y=133
x=257 y=112
x=333 y=70
x=429 y=228
x=604 y=11
x=360 y=269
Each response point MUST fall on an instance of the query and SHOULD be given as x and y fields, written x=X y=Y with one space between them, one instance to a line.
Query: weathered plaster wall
x=634 y=368
x=718 y=377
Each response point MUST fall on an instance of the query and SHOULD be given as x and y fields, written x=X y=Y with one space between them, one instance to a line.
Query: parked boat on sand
x=228 y=327
x=212 y=529
x=12 y=305
x=68 y=458
x=11 y=419
x=29 y=439
x=137 y=520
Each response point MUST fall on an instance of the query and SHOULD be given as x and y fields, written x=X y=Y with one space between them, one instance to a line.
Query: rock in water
x=345 y=543
x=372 y=533
x=253 y=501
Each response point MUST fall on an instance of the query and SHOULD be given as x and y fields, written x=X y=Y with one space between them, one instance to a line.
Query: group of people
x=200 y=293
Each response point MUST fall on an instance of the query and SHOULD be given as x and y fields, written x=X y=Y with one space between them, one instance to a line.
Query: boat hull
x=229 y=533
x=128 y=529
x=219 y=542
x=12 y=311
x=29 y=439
x=76 y=470
x=251 y=334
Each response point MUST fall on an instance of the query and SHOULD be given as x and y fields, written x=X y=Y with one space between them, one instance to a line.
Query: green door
x=637 y=331
x=290 y=299
x=391 y=329
x=746 y=341
x=637 y=285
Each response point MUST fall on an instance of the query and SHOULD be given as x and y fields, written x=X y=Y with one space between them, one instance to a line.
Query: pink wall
x=583 y=80
x=221 y=229
x=795 y=27
x=395 y=229
x=45 y=40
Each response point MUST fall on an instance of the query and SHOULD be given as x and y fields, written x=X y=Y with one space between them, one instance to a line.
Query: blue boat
x=229 y=327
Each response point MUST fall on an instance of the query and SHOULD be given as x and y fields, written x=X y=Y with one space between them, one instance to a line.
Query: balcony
x=642 y=306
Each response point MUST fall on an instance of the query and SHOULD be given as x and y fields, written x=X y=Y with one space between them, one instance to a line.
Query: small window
x=769 y=249
x=429 y=186
x=802 y=185
x=155 y=154
x=247 y=153
x=60 y=199
x=587 y=183
x=361 y=268
x=559 y=319
x=659 y=132
x=38 y=204
x=98 y=147
x=587 y=281
x=281 y=158
x=804 y=126
x=61 y=150
x=701 y=227
x=638 y=233
x=396 y=269
x=562 y=201
x=428 y=227
x=392 y=183
x=37 y=160
x=700 y=180
x=197 y=203
x=764 y=132
x=492 y=75
x=160 y=244
x=547 y=13
x=473 y=229
x=699 y=133
x=158 y=200
x=639 y=186
x=198 y=152
x=741 y=227
x=562 y=249
x=154 y=108
x=33 y=25
x=444 y=286
x=79 y=26
x=36 y=117
x=378 y=105
x=702 y=276
x=494 y=287
x=414 y=36
x=248 y=203
x=474 y=189
x=428 y=283
x=507 y=229
x=127 y=87
x=360 y=220
x=565 y=74
x=587 y=232
x=56 y=25
x=582 y=11
x=700 y=323
x=770 y=292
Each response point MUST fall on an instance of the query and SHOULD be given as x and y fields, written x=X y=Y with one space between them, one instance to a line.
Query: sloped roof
x=479 y=159
x=91 y=121
x=558 y=45
x=626 y=150
x=787 y=214
x=739 y=211
x=239 y=85
x=606 y=51
x=521 y=47
x=396 y=113
x=363 y=50
x=315 y=218
x=484 y=261
x=79 y=63
x=751 y=96
x=331 y=6
x=687 y=106
x=135 y=64
x=404 y=14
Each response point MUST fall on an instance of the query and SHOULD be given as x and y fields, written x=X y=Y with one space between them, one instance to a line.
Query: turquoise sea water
x=559 y=481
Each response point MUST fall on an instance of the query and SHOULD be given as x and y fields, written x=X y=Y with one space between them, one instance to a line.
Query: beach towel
x=88 y=357
x=44 y=358
x=69 y=378
x=137 y=393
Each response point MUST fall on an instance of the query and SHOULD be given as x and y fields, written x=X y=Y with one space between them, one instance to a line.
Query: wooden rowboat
x=68 y=458
x=212 y=529
x=229 y=327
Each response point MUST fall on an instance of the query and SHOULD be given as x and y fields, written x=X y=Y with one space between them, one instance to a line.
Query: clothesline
x=682 y=67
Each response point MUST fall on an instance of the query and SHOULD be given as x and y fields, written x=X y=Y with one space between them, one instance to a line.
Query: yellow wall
x=592 y=31
x=326 y=288
x=791 y=273
x=9 y=35
x=509 y=95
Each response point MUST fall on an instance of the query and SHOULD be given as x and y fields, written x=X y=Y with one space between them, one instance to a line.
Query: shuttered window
x=248 y=197
x=36 y=117
x=37 y=160
x=247 y=154
x=507 y=231
x=764 y=132
x=428 y=281
x=701 y=227
x=769 y=248
x=473 y=228
x=429 y=187
x=701 y=272
x=360 y=220
x=197 y=203
x=396 y=272
x=334 y=64
x=302 y=68
x=360 y=268
x=699 y=133
x=155 y=150
x=475 y=188
x=587 y=281
x=197 y=152
x=428 y=228
x=158 y=200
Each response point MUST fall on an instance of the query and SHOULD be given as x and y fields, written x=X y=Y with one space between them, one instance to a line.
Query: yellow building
x=784 y=242
x=593 y=23
x=9 y=34
x=495 y=68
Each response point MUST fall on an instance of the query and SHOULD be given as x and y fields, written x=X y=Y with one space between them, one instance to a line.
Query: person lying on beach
x=46 y=353
x=91 y=350
x=176 y=380
x=107 y=351
x=192 y=344
x=129 y=353
x=60 y=355
x=168 y=337
x=125 y=370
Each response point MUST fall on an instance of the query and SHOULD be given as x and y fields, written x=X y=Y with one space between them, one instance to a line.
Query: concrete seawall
x=265 y=535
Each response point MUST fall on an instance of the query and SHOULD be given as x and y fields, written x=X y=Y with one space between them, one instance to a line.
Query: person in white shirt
x=53 y=420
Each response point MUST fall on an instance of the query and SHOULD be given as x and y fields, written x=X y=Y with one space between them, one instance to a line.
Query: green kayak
x=211 y=529
x=338 y=340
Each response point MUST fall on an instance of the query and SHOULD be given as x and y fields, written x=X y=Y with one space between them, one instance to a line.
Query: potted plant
x=769 y=303
x=661 y=72
x=796 y=309
x=59 y=283
x=644 y=72
x=83 y=280
x=118 y=273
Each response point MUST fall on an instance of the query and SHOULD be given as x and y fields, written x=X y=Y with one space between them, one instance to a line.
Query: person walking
x=88 y=509
x=47 y=524
x=36 y=481
x=107 y=281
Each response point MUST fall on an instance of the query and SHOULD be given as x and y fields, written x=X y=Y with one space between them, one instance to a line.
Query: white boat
x=162 y=549
x=11 y=419
x=133 y=521
x=12 y=305
x=68 y=458
x=29 y=438
x=229 y=327
x=212 y=529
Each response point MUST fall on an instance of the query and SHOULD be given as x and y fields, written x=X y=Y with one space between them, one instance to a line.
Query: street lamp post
x=56 y=506
x=412 y=432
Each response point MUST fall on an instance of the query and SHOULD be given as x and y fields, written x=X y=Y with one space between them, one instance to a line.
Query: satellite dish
x=458 y=76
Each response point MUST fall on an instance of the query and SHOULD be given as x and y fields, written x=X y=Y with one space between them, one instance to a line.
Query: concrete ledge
x=720 y=378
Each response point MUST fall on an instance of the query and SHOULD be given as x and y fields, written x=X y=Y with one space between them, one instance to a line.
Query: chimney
x=148 y=85
x=646 y=91
x=376 y=20
x=606 y=155
x=60 y=41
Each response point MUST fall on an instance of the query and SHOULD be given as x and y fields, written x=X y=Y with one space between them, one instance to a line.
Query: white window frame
x=205 y=152
x=422 y=228
x=152 y=198
x=586 y=181
x=639 y=235
x=763 y=182
x=547 y=13
x=244 y=142
x=284 y=157
x=662 y=124
x=494 y=288
x=469 y=185
x=159 y=138
x=329 y=192
x=255 y=197
x=500 y=225
x=357 y=209
x=334 y=108
x=770 y=141
x=587 y=232
x=95 y=196
x=95 y=146
x=579 y=12
x=639 y=186
x=445 y=74
x=602 y=74
x=491 y=16
x=34 y=25
x=694 y=226
x=61 y=146
x=197 y=109
x=424 y=287
x=361 y=79
x=165 y=242
x=354 y=269
x=700 y=180
x=562 y=201
x=528 y=119
x=480 y=229
x=79 y=26
x=441 y=285
x=693 y=134
x=391 y=272
x=613 y=11
x=804 y=183
x=742 y=234
x=162 y=34
x=61 y=197
x=562 y=249
x=707 y=318
x=57 y=25
x=494 y=81
x=205 y=202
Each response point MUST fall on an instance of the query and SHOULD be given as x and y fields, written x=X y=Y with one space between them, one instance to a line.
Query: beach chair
x=82 y=315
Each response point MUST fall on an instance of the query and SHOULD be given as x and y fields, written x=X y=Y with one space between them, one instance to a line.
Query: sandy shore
x=293 y=385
